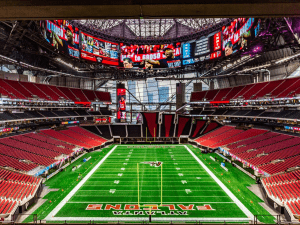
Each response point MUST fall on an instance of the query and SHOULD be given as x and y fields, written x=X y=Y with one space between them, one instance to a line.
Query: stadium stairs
x=33 y=151
x=273 y=156
x=284 y=190
x=17 y=190
x=31 y=154
x=268 y=152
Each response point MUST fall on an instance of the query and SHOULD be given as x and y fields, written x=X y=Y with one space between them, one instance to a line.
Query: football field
x=167 y=181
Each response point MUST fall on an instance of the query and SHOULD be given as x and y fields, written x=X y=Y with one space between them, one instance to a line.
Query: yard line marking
x=188 y=191
x=112 y=191
x=185 y=162
x=77 y=187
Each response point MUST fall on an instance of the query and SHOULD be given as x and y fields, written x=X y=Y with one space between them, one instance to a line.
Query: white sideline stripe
x=130 y=185
x=70 y=195
x=167 y=196
x=51 y=215
x=228 y=192
x=153 y=202
x=149 y=190
x=146 y=218
x=112 y=179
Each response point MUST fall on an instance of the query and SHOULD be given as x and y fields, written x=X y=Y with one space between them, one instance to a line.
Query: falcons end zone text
x=135 y=209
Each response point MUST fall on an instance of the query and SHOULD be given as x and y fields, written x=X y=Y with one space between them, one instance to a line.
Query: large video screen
x=98 y=50
x=150 y=56
x=239 y=34
x=204 y=48
x=62 y=36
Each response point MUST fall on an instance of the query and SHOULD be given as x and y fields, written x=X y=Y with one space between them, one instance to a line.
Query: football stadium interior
x=139 y=112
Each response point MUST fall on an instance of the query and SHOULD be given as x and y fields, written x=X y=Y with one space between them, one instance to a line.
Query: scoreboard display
x=204 y=48
x=150 y=56
x=232 y=38
x=98 y=50
x=62 y=36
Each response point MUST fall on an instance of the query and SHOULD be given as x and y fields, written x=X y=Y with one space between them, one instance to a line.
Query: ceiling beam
x=75 y=9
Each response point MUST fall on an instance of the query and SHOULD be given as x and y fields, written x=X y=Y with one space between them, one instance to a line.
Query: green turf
x=105 y=186
x=237 y=182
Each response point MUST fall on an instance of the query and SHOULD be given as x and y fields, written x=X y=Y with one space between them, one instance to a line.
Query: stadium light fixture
x=287 y=58
x=67 y=64
x=255 y=68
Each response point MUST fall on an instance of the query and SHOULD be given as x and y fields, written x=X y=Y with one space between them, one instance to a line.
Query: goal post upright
x=138 y=179
x=161 y=184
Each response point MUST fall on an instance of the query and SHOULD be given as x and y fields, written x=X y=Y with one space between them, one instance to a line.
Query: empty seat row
x=285 y=188
x=269 y=151
x=55 y=113
x=265 y=90
x=6 y=206
x=27 y=90
x=76 y=136
x=18 y=177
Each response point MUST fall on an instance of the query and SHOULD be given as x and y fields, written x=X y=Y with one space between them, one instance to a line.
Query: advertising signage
x=239 y=34
x=150 y=56
x=62 y=36
x=204 y=48
x=98 y=50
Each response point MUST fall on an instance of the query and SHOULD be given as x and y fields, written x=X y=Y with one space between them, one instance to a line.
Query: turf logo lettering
x=190 y=207
x=116 y=207
x=146 y=209
x=132 y=207
x=205 y=207
x=151 y=207
x=94 y=207
x=171 y=207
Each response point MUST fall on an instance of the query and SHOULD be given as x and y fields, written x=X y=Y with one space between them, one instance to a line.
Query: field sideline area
x=172 y=182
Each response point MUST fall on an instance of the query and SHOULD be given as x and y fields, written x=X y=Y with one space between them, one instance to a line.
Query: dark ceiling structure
x=22 y=45
x=106 y=9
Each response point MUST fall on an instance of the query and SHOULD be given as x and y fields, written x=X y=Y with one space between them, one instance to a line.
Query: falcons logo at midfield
x=156 y=164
